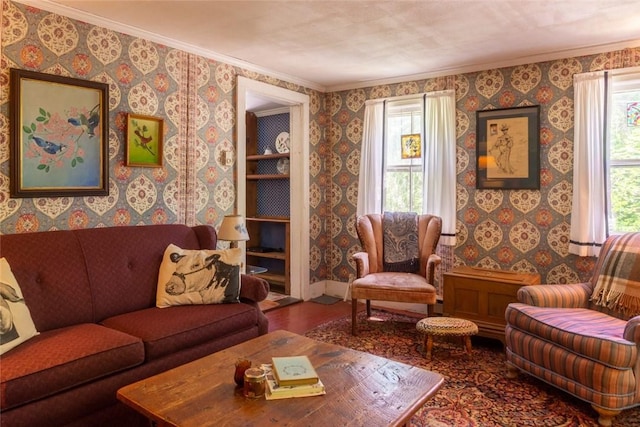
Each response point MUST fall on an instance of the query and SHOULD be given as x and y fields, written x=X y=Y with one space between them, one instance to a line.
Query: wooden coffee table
x=362 y=389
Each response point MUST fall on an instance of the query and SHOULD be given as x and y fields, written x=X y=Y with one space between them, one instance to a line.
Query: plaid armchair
x=583 y=338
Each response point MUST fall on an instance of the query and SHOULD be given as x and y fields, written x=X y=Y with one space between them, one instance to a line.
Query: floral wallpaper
x=194 y=96
x=521 y=230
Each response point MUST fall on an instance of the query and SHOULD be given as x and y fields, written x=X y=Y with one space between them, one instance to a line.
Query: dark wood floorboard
x=304 y=316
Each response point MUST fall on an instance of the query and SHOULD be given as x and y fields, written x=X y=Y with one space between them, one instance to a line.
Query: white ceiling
x=335 y=45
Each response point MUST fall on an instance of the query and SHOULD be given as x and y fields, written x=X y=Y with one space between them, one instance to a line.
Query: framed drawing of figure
x=508 y=148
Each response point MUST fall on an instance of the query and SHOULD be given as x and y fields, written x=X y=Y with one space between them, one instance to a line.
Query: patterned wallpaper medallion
x=521 y=230
x=513 y=230
x=147 y=78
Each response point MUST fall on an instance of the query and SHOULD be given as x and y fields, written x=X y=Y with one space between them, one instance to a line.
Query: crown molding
x=177 y=44
x=472 y=68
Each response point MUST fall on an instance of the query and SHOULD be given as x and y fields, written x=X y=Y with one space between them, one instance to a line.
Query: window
x=402 y=177
x=623 y=157
x=427 y=125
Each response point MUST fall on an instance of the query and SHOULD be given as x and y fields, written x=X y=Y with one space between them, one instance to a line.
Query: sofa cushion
x=132 y=255
x=592 y=334
x=16 y=325
x=64 y=358
x=168 y=330
x=50 y=267
x=198 y=277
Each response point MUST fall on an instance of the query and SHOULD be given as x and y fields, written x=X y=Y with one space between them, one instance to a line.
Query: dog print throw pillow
x=199 y=277
x=16 y=325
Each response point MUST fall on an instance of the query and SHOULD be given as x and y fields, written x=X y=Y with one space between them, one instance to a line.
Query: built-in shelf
x=271 y=255
x=272 y=277
x=268 y=176
x=268 y=218
x=264 y=230
x=257 y=157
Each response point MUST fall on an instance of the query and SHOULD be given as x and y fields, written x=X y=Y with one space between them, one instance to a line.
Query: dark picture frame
x=59 y=136
x=145 y=136
x=508 y=148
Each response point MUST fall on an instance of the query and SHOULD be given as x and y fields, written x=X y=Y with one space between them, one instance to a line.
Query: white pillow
x=198 y=277
x=16 y=325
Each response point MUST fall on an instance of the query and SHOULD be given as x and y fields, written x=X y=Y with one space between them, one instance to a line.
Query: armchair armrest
x=432 y=262
x=575 y=295
x=253 y=288
x=362 y=263
x=632 y=330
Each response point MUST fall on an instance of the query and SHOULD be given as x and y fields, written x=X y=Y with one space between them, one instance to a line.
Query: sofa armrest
x=253 y=288
x=432 y=262
x=362 y=263
x=632 y=330
x=575 y=295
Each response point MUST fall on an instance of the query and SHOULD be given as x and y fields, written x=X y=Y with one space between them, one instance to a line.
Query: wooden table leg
x=428 y=346
x=467 y=344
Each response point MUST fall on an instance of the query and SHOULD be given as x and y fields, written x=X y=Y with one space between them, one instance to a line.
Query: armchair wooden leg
x=512 y=371
x=430 y=310
x=605 y=415
x=368 y=308
x=354 y=313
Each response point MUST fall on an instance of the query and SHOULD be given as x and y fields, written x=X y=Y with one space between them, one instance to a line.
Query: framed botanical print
x=144 y=141
x=59 y=136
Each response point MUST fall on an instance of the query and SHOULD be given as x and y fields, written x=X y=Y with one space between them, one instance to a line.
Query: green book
x=294 y=370
x=275 y=391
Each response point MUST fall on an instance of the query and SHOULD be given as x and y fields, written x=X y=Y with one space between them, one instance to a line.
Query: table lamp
x=233 y=229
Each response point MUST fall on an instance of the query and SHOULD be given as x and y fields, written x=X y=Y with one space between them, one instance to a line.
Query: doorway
x=256 y=96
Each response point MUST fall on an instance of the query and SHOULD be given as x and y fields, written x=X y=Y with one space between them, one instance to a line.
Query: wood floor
x=304 y=316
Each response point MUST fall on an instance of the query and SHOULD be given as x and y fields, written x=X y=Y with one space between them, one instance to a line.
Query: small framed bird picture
x=144 y=141
x=59 y=136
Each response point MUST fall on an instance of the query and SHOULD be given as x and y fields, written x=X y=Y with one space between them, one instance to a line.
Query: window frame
x=628 y=82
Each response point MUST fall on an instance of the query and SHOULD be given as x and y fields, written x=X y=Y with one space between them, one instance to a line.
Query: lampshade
x=233 y=229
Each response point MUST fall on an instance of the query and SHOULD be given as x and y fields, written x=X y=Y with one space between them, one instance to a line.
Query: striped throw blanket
x=618 y=285
x=400 y=241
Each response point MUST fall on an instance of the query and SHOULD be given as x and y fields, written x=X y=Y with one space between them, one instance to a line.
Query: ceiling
x=336 y=45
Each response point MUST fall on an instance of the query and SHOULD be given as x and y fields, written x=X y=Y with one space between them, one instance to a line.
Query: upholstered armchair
x=373 y=282
x=583 y=338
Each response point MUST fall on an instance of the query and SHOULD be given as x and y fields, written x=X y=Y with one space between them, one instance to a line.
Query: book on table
x=294 y=370
x=275 y=391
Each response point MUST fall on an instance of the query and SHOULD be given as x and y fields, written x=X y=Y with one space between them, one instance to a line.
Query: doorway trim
x=298 y=104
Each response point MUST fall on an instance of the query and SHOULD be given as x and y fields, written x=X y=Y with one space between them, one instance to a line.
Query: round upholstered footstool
x=446 y=326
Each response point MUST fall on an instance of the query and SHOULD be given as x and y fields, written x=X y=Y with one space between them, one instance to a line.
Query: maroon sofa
x=92 y=296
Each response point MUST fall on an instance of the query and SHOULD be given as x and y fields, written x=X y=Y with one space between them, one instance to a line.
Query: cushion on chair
x=401 y=287
x=63 y=358
x=581 y=331
x=168 y=330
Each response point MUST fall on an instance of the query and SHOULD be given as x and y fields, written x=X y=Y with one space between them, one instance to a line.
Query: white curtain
x=588 y=212
x=370 y=178
x=439 y=182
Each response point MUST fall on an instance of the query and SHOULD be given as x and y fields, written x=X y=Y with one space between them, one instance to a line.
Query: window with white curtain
x=424 y=179
x=402 y=177
x=623 y=154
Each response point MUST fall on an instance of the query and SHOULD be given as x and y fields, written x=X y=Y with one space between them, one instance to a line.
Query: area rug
x=476 y=391
x=326 y=299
